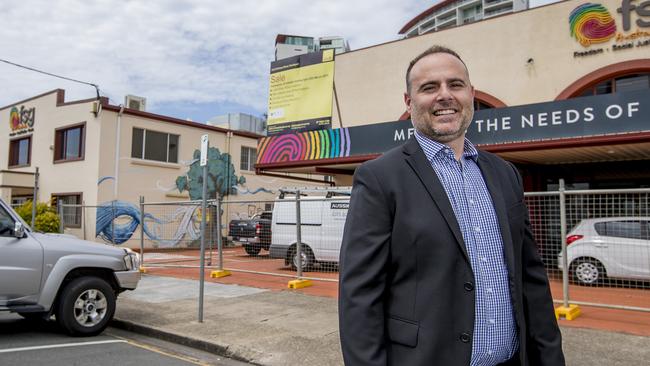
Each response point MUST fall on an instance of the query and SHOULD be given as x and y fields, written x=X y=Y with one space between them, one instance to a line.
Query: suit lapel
x=417 y=160
x=495 y=189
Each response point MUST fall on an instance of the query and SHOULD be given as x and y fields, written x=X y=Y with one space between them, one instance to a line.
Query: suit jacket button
x=468 y=286
x=465 y=338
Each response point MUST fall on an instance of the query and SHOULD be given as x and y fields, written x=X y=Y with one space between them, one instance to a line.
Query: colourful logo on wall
x=14 y=119
x=312 y=145
x=591 y=23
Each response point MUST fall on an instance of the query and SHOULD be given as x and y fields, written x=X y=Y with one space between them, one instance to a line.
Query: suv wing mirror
x=19 y=230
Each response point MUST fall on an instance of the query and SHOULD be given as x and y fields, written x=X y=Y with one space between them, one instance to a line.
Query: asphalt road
x=25 y=342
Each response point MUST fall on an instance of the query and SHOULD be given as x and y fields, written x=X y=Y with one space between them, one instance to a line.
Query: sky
x=191 y=59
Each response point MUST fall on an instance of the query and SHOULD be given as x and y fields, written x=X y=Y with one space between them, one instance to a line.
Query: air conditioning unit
x=135 y=102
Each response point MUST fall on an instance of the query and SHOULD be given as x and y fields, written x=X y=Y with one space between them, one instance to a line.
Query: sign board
x=204 y=150
x=300 y=93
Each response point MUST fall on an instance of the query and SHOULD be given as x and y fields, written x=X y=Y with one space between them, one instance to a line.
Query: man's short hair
x=430 y=51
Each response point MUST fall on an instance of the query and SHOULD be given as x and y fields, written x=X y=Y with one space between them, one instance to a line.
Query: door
x=627 y=247
x=21 y=261
x=334 y=214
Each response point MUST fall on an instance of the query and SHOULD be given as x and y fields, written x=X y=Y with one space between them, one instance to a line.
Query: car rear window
x=623 y=229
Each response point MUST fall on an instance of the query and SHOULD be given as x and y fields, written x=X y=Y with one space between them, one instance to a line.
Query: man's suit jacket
x=406 y=294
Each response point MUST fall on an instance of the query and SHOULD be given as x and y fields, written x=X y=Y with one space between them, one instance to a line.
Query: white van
x=322 y=217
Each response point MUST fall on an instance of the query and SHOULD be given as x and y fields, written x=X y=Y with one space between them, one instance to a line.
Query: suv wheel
x=252 y=249
x=588 y=271
x=85 y=307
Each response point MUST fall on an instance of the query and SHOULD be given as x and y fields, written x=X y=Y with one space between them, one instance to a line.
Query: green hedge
x=47 y=220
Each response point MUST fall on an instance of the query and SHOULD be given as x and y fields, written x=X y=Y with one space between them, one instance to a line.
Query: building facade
x=100 y=155
x=551 y=97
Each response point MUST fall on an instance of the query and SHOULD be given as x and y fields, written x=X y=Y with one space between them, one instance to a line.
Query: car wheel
x=588 y=271
x=307 y=257
x=252 y=249
x=85 y=307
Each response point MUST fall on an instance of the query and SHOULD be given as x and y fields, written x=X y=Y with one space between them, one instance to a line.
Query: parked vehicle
x=322 y=220
x=615 y=247
x=77 y=281
x=253 y=234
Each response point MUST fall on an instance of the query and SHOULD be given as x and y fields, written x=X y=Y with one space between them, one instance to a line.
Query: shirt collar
x=432 y=148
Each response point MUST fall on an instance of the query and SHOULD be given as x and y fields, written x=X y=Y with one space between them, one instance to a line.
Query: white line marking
x=22 y=349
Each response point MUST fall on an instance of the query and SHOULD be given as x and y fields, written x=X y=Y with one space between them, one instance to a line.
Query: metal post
x=59 y=205
x=565 y=259
x=298 y=235
x=113 y=221
x=203 y=214
x=141 y=231
x=35 y=198
x=219 y=236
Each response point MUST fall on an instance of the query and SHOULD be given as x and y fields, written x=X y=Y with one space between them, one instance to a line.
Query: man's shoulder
x=389 y=158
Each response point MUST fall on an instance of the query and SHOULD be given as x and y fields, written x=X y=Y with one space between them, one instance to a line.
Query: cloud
x=192 y=51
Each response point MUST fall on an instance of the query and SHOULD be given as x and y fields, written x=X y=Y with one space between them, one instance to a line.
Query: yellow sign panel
x=301 y=97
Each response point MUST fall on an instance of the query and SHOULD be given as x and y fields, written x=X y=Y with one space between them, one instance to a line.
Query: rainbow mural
x=310 y=145
x=591 y=23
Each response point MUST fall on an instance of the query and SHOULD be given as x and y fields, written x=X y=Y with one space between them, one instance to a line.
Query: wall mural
x=117 y=220
x=311 y=145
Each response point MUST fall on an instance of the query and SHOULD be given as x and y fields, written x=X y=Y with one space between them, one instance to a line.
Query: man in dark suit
x=438 y=263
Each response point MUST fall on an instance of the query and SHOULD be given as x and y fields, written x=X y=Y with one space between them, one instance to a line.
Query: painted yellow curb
x=220 y=273
x=296 y=284
x=143 y=270
x=571 y=312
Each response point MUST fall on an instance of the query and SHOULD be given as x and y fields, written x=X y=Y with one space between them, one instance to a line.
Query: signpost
x=204 y=163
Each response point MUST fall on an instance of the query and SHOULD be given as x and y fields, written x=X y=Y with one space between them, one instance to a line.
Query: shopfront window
x=618 y=84
x=71 y=215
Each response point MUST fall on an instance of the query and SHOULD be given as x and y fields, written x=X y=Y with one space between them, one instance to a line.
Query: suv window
x=6 y=223
x=623 y=229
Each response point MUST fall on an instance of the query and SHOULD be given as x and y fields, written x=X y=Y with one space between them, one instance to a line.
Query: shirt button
x=477 y=229
x=490 y=352
x=471 y=201
x=492 y=321
x=465 y=338
x=468 y=286
x=489 y=290
x=484 y=259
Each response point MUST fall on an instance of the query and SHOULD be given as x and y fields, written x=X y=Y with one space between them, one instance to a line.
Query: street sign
x=204 y=150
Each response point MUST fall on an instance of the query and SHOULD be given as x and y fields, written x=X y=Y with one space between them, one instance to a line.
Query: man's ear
x=407 y=101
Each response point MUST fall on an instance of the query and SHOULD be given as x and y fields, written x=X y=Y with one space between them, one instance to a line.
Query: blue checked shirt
x=495 y=334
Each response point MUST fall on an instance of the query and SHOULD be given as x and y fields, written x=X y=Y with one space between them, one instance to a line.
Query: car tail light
x=571 y=238
x=258 y=229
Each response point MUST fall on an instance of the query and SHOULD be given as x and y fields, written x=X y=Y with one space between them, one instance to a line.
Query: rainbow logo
x=14 y=119
x=591 y=23
x=311 y=145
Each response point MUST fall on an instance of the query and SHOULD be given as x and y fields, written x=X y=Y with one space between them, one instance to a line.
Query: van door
x=334 y=214
x=21 y=262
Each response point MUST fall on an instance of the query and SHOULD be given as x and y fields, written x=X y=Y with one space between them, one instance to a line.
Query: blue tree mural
x=221 y=176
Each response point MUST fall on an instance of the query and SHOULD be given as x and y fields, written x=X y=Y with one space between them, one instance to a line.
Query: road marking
x=22 y=349
x=155 y=349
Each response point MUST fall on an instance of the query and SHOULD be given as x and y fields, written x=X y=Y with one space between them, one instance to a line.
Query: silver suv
x=77 y=281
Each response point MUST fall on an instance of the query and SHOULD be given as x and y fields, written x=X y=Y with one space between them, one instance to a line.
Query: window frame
x=29 y=152
x=144 y=145
x=61 y=149
x=249 y=164
x=55 y=203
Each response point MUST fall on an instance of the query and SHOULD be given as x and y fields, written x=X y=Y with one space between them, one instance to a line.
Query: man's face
x=441 y=99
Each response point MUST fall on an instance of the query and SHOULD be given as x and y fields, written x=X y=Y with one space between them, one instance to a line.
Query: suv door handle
x=601 y=245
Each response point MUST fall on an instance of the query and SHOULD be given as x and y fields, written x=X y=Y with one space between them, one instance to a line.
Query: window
x=20 y=152
x=69 y=143
x=623 y=229
x=248 y=158
x=6 y=223
x=480 y=105
x=619 y=84
x=71 y=215
x=152 y=145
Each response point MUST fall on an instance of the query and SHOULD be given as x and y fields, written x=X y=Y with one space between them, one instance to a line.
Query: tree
x=221 y=176
x=46 y=219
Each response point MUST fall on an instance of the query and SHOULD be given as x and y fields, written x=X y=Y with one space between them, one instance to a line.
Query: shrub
x=46 y=219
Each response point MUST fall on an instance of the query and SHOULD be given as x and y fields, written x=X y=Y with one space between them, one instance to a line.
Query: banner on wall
x=300 y=93
x=609 y=114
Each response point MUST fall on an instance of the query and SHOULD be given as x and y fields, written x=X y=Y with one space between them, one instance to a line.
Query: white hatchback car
x=614 y=247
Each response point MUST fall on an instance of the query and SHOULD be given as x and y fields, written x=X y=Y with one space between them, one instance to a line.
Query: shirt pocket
x=402 y=331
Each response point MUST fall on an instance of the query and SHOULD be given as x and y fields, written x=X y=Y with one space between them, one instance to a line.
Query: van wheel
x=587 y=271
x=307 y=257
x=85 y=307
x=252 y=249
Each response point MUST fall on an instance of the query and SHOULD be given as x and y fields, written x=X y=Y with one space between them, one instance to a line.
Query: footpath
x=270 y=327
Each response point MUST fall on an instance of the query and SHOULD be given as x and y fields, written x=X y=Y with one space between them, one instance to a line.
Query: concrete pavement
x=289 y=328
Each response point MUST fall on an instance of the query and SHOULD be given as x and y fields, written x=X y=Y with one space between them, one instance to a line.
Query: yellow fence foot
x=220 y=273
x=296 y=284
x=569 y=313
x=143 y=270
